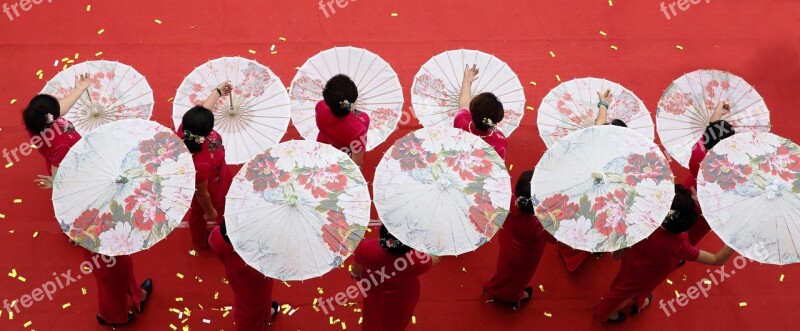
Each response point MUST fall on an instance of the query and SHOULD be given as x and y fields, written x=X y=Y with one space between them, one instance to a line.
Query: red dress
x=55 y=142
x=644 y=266
x=495 y=138
x=114 y=283
x=522 y=242
x=347 y=134
x=252 y=291
x=700 y=227
x=210 y=165
x=390 y=305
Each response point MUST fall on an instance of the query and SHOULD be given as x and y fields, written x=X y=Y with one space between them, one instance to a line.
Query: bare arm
x=222 y=90
x=716 y=259
x=602 y=114
x=470 y=75
x=81 y=85
x=46 y=182
x=356 y=270
x=717 y=114
x=204 y=198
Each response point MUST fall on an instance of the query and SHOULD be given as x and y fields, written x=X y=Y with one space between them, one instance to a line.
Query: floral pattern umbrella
x=116 y=92
x=686 y=107
x=749 y=190
x=572 y=106
x=380 y=95
x=442 y=191
x=297 y=210
x=254 y=117
x=602 y=188
x=437 y=86
x=124 y=187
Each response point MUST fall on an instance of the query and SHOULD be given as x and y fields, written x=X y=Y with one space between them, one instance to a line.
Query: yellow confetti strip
x=548 y=314
x=39 y=72
x=224 y=281
x=66 y=305
x=98 y=53
x=684 y=278
x=541 y=288
x=88 y=7
x=178 y=299
x=252 y=51
x=22 y=279
x=669 y=281
x=614 y=47
x=179 y=275
x=463 y=269
x=170 y=100
x=65 y=59
x=36 y=234
x=13 y=273
x=369 y=230
x=360 y=319
x=707 y=282
x=603 y=33
x=293 y=311
x=76 y=56
x=344 y=326
x=780 y=279
x=173 y=327
x=273 y=52
x=225 y=314
x=356 y=310
x=677 y=295
x=9 y=165
x=413 y=320
x=13 y=101
x=510 y=167
x=27 y=324
x=679 y=47
x=394 y=14
x=281 y=38
x=157 y=21
x=319 y=290
x=610 y=3
x=10 y=315
x=185 y=328
x=330 y=320
x=558 y=78
x=552 y=54
x=198 y=279
x=2 y=215
x=742 y=304
x=83 y=290
x=216 y=295
x=191 y=252
x=533 y=83
x=71 y=61
x=287 y=284
x=99 y=32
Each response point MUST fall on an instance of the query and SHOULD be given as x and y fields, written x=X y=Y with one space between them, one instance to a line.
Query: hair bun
x=345 y=105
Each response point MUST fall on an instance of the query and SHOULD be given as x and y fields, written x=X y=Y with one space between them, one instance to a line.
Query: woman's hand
x=605 y=97
x=211 y=214
x=44 y=182
x=225 y=88
x=82 y=82
x=471 y=74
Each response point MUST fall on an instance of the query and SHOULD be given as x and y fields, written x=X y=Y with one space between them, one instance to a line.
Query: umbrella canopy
x=442 y=191
x=380 y=95
x=297 y=210
x=686 y=107
x=437 y=86
x=124 y=187
x=254 y=117
x=602 y=189
x=749 y=190
x=116 y=92
x=572 y=106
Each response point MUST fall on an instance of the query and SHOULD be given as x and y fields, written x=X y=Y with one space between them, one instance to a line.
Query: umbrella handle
x=230 y=96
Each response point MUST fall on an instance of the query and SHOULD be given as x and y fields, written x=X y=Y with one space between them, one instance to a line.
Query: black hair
x=619 y=122
x=399 y=248
x=338 y=89
x=199 y=121
x=684 y=211
x=35 y=115
x=523 y=192
x=486 y=111
x=715 y=132
x=224 y=230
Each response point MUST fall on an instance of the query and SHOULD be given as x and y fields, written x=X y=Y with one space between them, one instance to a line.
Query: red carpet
x=757 y=40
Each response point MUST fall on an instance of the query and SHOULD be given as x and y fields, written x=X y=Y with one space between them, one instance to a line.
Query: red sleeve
x=358 y=253
x=462 y=119
x=698 y=153
x=57 y=154
x=422 y=263
x=362 y=134
x=203 y=172
x=683 y=250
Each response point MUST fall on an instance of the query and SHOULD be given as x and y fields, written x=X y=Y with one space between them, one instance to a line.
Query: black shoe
x=619 y=318
x=103 y=322
x=277 y=308
x=147 y=286
x=529 y=291
x=682 y=262
x=635 y=309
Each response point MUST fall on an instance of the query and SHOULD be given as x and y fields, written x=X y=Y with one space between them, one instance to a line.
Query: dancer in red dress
x=213 y=176
x=339 y=123
x=716 y=130
x=522 y=242
x=392 y=271
x=480 y=115
x=648 y=263
x=253 y=308
x=54 y=135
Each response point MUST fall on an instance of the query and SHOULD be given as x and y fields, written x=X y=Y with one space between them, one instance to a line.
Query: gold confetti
x=83 y=290
x=198 y=279
x=88 y=7
x=413 y=320
x=558 y=78
x=207 y=321
x=287 y=284
x=178 y=299
x=679 y=47
x=201 y=306
x=742 y=304
x=40 y=77
x=293 y=311
x=281 y=38
x=65 y=67
x=99 y=32
x=319 y=290
x=173 y=327
x=541 y=288
x=669 y=281
x=548 y=314
x=296 y=68
x=76 y=56
x=10 y=315
x=27 y=324
x=614 y=47
x=463 y=269
x=216 y=295
x=273 y=52
x=71 y=61
x=252 y=51
x=780 y=279
x=98 y=53
x=185 y=327
x=344 y=326
x=224 y=281
x=330 y=320
x=11 y=232
x=158 y=21
x=13 y=101
x=9 y=165
x=66 y=305
x=684 y=278
x=510 y=167
x=286 y=309
x=677 y=295
x=13 y=273
x=552 y=54
x=272 y=48
x=174 y=310
x=369 y=230
x=360 y=319
x=610 y=3
x=179 y=275
x=356 y=310
x=36 y=234
x=707 y=282
x=22 y=279
x=225 y=314
x=191 y=252
x=533 y=83
x=39 y=72
x=65 y=59
x=603 y=33
x=394 y=14
x=2 y=215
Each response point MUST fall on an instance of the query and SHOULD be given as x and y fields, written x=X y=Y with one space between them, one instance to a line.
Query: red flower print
x=641 y=167
x=782 y=164
x=556 y=209
x=676 y=103
x=382 y=116
x=610 y=213
x=90 y=222
x=145 y=207
x=467 y=165
x=411 y=154
x=482 y=215
x=323 y=181
x=431 y=88
x=335 y=233
x=726 y=174
x=164 y=146
x=264 y=174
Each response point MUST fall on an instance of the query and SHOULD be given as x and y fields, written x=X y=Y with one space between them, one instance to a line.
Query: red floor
x=757 y=40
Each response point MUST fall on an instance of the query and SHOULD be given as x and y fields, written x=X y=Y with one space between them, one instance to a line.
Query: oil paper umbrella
x=380 y=95
x=124 y=187
x=116 y=92
x=749 y=190
x=437 y=86
x=254 y=117
x=686 y=107
x=603 y=188
x=297 y=210
x=572 y=106
x=442 y=191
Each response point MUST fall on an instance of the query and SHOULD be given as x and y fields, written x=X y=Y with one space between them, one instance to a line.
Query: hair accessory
x=488 y=122
x=49 y=118
x=390 y=243
x=602 y=103
x=345 y=104
x=521 y=201
x=187 y=135
x=672 y=215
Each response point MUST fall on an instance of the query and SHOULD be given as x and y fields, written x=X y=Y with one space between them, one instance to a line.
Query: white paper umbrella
x=124 y=187
x=116 y=92
x=686 y=107
x=254 y=117
x=442 y=191
x=572 y=106
x=602 y=188
x=297 y=210
x=749 y=190
x=437 y=86
x=380 y=95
